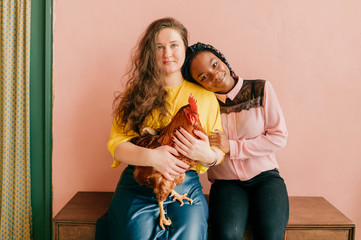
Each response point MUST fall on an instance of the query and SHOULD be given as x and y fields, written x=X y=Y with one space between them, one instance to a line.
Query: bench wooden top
x=87 y=207
x=307 y=211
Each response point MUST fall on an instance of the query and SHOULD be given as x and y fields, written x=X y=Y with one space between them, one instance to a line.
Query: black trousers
x=261 y=201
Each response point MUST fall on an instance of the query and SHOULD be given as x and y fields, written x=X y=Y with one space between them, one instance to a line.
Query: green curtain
x=15 y=188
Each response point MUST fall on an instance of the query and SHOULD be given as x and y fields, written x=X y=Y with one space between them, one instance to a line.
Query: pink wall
x=309 y=51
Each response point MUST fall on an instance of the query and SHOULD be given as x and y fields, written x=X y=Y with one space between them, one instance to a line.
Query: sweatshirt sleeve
x=117 y=136
x=272 y=139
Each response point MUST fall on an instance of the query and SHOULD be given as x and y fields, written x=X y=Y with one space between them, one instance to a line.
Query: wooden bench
x=311 y=218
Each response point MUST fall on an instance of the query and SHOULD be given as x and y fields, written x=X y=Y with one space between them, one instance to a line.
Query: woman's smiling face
x=210 y=72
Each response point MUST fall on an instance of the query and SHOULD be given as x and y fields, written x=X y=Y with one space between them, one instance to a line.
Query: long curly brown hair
x=144 y=91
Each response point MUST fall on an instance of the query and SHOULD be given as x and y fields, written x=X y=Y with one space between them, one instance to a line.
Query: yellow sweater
x=177 y=97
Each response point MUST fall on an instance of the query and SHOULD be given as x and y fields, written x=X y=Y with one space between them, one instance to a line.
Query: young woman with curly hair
x=155 y=92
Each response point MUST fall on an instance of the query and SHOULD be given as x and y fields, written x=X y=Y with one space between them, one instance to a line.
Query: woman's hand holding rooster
x=166 y=163
x=195 y=149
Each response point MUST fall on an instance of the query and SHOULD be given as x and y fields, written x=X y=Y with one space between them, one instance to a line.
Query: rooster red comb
x=193 y=103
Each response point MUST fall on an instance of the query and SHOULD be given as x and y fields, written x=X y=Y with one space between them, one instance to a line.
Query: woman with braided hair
x=246 y=186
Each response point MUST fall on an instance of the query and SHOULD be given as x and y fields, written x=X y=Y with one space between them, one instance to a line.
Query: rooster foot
x=162 y=219
x=180 y=198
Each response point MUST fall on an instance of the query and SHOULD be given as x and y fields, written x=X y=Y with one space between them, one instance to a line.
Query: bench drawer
x=81 y=231
x=319 y=234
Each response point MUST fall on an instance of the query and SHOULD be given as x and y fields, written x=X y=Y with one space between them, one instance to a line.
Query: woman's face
x=210 y=72
x=170 y=51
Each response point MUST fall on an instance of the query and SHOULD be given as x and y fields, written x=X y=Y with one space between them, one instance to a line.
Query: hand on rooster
x=196 y=149
x=167 y=164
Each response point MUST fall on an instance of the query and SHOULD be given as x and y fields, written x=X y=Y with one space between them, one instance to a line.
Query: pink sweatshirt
x=254 y=124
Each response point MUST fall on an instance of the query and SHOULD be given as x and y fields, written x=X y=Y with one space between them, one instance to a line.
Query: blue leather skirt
x=134 y=212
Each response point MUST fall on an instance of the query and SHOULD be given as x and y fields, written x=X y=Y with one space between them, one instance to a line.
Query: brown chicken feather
x=187 y=117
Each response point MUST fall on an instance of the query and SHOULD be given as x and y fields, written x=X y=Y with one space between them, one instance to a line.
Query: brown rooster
x=187 y=117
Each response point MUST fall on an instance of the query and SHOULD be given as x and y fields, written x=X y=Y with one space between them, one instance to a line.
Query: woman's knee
x=189 y=221
x=192 y=226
